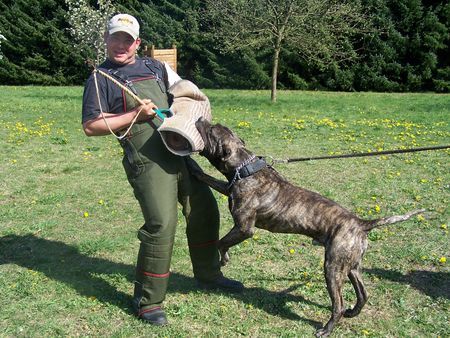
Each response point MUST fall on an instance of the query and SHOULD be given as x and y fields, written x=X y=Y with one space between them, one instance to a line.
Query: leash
x=375 y=153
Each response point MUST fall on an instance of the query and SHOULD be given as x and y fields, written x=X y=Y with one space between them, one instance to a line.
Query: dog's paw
x=322 y=333
x=224 y=258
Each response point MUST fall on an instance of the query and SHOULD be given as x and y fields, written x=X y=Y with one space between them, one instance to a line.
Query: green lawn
x=68 y=220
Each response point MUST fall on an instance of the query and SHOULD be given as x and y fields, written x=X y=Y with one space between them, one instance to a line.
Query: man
x=158 y=177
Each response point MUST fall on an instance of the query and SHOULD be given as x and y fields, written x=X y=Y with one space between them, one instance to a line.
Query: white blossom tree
x=1 y=38
x=88 y=25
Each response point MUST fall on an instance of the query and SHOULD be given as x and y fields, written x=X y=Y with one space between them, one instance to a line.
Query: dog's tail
x=369 y=225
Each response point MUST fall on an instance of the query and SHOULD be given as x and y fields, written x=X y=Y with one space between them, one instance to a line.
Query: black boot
x=154 y=316
x=221 y=283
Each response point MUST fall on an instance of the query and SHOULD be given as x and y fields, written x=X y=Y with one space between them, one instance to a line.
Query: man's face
x=121 y=47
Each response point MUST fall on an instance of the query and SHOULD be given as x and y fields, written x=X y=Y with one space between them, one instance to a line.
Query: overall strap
x=158 y=69
x=123 y=78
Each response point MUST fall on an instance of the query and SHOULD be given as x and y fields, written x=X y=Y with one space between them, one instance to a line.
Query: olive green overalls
x=160 y=179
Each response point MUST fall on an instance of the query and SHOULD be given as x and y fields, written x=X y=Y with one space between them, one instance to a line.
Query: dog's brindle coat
x=266 y=200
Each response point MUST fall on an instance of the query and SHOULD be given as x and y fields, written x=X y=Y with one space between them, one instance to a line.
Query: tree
x=37 y=50
x=320 y=31
x=88 y=25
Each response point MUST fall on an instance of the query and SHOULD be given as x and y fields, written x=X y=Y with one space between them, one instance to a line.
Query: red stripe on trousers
x=157 y=275
x=149 y=310
x=202 y=245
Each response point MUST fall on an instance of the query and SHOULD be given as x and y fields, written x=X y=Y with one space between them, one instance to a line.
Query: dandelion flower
x=442 y=260
x=85 y=214
x=291 y=251
x=444 y=226
x=377 y=209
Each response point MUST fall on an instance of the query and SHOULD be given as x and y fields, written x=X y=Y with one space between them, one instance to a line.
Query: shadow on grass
x=62 y=262
x=271 y=302
x=433 y=284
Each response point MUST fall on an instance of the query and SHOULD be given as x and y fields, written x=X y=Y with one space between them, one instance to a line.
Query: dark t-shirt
x=111 y=95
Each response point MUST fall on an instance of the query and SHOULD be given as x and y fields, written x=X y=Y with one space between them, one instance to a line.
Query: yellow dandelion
x=101 y=202
x=85 y=214
x=442 y=260
x=444 y=226
x=377 y=209
x=291 y=251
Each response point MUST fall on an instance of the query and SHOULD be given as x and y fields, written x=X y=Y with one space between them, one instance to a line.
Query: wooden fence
x=163 y=55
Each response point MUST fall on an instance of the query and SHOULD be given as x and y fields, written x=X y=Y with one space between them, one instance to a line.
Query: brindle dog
x=266 y=200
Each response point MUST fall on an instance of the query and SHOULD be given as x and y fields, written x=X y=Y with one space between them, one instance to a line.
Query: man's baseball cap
x=124 y=23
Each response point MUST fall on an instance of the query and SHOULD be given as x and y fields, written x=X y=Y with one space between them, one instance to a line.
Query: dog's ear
x=234 y=134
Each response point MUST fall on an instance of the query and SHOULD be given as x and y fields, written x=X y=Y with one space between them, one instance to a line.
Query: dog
x=260 y=197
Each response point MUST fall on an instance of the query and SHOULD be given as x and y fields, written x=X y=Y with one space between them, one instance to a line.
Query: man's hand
x=145 y=110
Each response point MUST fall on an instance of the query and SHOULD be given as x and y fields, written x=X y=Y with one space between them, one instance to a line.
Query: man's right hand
x=145 y=110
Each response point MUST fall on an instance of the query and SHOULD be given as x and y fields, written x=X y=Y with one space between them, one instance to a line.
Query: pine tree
x=37 y=49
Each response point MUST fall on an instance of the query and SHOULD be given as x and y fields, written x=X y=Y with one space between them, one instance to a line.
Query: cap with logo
x=124 y=23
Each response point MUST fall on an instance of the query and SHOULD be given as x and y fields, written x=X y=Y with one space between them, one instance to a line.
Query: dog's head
x=223 y=148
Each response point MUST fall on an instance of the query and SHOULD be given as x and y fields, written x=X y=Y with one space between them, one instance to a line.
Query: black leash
x=375 y=153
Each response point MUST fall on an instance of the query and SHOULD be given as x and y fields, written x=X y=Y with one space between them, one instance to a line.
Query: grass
x=68 y=220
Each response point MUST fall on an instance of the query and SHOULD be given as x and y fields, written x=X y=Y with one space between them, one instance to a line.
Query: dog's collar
x=246 y=169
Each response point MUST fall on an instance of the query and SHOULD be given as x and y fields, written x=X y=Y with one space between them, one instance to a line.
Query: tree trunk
x=276 y=56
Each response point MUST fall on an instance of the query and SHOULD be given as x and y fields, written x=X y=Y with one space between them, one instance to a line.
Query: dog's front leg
x=242 y=230
x=198 y=173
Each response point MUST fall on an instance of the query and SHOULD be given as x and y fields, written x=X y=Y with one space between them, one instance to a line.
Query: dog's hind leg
x=361 y=294
x=335 y=274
